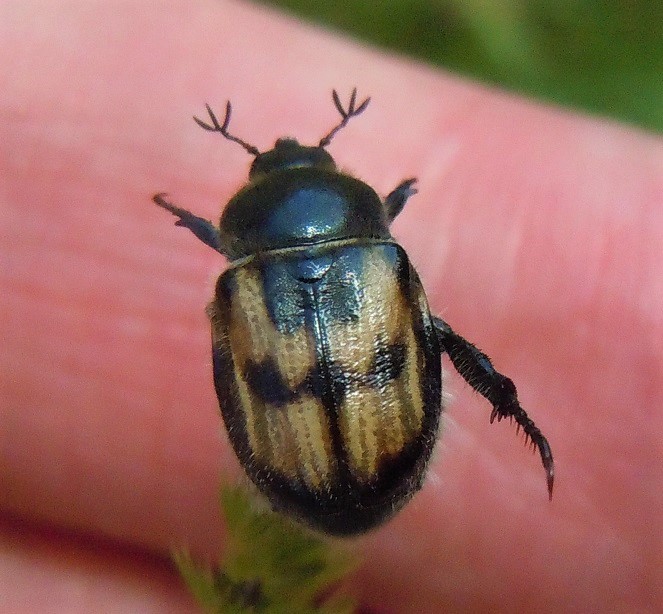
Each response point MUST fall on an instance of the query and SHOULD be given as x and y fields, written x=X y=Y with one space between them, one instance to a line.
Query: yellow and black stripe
x=328 y=374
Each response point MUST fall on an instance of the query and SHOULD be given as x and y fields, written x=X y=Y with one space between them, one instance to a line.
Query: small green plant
x=270 y=565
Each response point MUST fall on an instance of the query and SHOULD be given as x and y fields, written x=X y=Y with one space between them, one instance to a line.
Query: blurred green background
x=604 y=57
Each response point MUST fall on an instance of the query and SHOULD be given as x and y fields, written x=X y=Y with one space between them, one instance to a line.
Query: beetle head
x=288 y=153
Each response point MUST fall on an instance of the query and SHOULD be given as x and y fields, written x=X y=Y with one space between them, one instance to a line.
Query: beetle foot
x=397 y=198
x=202 y=228
x=477 y=370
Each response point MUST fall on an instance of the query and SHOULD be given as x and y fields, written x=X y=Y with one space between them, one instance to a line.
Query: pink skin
x=538 y=234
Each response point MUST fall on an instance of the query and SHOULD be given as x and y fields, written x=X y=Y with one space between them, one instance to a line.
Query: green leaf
x=270 y=565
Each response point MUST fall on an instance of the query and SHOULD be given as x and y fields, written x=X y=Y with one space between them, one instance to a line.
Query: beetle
x=326 y=358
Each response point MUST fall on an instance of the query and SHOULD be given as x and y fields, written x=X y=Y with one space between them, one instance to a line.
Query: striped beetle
x=326 y=357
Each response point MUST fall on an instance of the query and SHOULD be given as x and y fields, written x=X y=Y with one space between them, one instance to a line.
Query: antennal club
x=345 y=114
x=223 y=128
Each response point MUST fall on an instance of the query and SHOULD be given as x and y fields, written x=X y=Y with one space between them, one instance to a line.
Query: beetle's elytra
x=326 y=357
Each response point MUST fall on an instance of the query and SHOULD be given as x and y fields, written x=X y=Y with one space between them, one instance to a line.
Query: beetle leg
x=202 y=228
x=397 y=198
x=477 y=370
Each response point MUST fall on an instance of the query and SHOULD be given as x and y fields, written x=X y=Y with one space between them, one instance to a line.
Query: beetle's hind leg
x=397 y=198
x=202 y=228
x=478 y=372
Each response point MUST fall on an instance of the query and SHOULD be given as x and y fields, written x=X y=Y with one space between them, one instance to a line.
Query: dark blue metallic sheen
x=300 y=206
